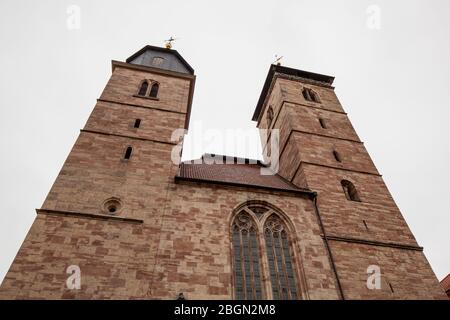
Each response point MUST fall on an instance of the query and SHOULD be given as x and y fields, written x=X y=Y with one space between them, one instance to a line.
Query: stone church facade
x=139 y=226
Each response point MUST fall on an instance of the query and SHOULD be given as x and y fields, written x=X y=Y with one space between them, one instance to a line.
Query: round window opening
x=112 y=205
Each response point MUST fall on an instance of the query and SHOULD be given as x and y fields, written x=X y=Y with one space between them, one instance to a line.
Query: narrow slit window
x=269 y=117
x=137 y=123
x=154 y=90
x=143 y=89
x=337 y=156
x=322 y=123
x=392 y=288
x=365 y=225
x=350 y=191
x=128 y=152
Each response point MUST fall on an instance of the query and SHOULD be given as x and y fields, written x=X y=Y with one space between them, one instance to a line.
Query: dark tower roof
x=162 y=58
x=290 y=72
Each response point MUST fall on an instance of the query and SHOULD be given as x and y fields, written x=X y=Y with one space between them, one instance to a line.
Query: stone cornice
x=374 y=243
x=88 y=215
x=140 y=106
x=303 y=80
x=128 y=137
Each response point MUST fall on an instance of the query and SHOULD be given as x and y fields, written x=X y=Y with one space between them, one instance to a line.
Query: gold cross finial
x=168 y=42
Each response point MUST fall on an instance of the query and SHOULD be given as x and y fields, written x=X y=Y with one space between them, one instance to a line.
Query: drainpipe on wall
x=330 y=255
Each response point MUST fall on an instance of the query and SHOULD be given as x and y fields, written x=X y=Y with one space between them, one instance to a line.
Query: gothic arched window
x=143 y=88
x=263 y=264
x=154 y=90
x=247 y=275
x=281 y=269
x=350 y=191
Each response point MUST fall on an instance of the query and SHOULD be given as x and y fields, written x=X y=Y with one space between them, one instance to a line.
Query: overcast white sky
x=393 y=82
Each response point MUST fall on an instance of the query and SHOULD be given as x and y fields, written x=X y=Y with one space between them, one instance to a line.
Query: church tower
x=103 y=213
x=319 y=150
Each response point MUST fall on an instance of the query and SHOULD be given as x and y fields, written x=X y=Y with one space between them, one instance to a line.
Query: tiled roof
x=237 y=173
x=446 y=283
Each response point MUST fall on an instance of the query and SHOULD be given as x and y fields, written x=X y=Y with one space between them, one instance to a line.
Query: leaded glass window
x=282 y=278
x=249 y=232
x=247 y=275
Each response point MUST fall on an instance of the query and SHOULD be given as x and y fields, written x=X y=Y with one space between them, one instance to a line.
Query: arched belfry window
x=148 y=88
x=263 y=263
x=306 y=95
x=154 y=90
x=314 y=96
x=310 y=95
x=350 y=191
x=143 y=88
